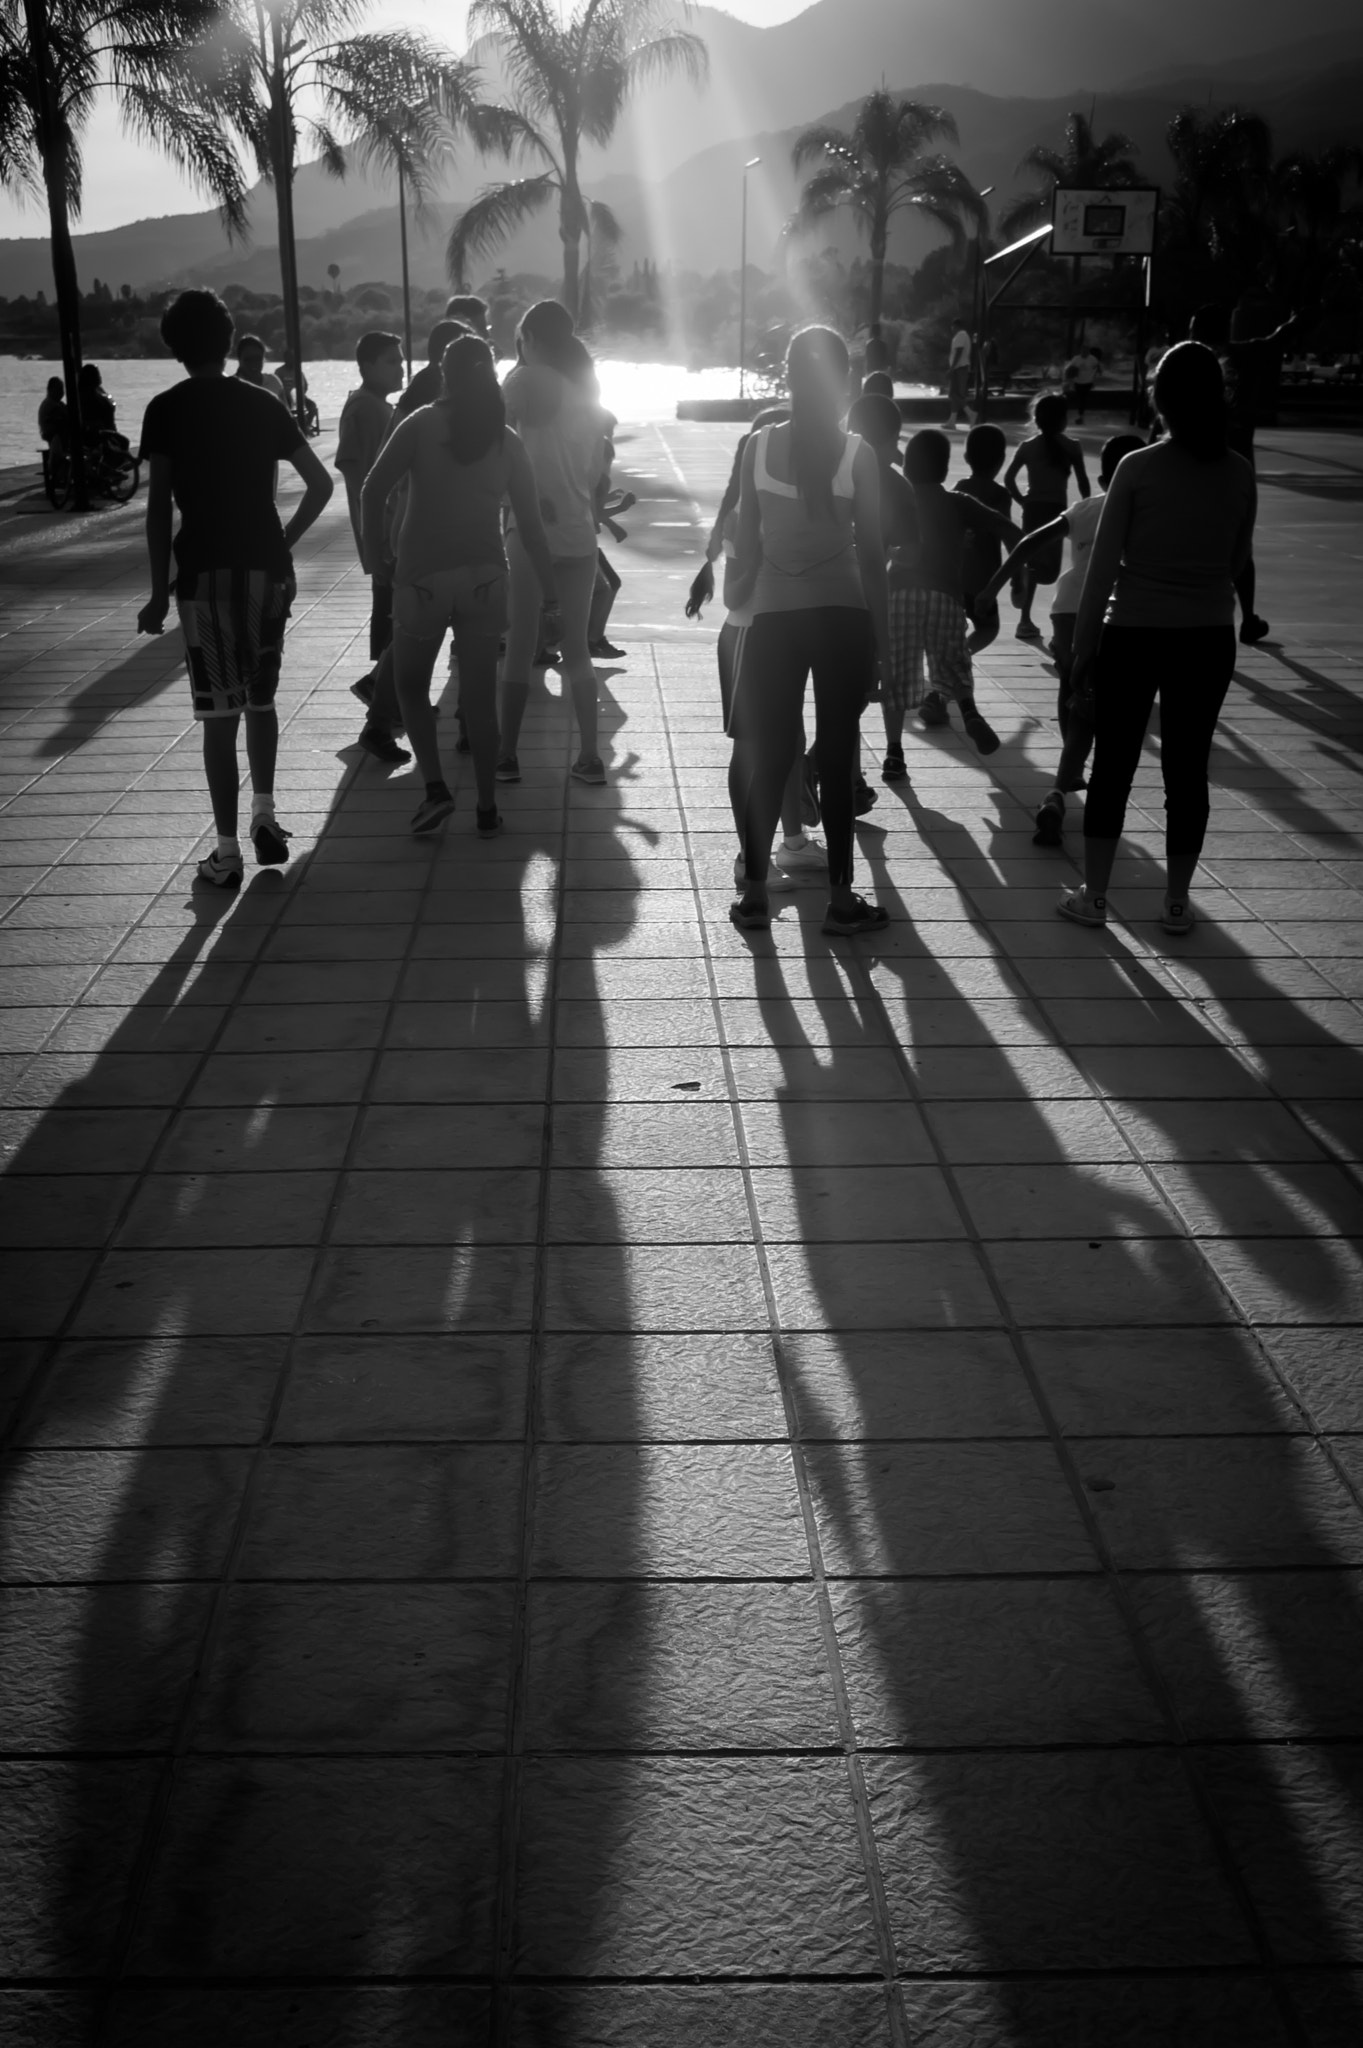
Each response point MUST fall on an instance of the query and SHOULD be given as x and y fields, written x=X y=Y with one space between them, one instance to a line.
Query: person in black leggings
x=809 y=564
x=1156 y=619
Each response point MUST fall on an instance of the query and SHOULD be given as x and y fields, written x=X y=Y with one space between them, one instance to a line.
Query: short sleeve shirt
x=365 y=420
x=983 y=547
x=960 y=350
x=223 y=437
x=1082 y=522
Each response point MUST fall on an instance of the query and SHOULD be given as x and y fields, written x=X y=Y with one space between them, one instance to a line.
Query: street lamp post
x=982 y=365
x=751 y=165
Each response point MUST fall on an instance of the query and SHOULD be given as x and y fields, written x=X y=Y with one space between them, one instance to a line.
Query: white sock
x=262 y=804
x=228 y=843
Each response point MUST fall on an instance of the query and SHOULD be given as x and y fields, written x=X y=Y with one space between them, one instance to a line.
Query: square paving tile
x=638 y=1388
x=385 y=1512
x=668 y=1511
x=901 y=1510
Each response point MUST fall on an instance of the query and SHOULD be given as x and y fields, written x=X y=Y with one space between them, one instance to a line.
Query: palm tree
x=1085 y=163
x=1223 y=164
x=880 y=170
x=1312 y=216
x=54 y=63
x=393 y=93
x=569 y=82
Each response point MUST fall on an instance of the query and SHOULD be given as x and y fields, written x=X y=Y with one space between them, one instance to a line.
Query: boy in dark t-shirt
x=366 y=421
x=985 y=449
x=212 y=443
x=934 y=620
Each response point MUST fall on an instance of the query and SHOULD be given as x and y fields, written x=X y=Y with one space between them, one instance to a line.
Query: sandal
x=750 y=917
x=862 y=917
x=892 y=768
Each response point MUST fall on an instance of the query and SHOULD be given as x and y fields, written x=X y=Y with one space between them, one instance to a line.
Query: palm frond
x=494 y=216
x=195 y=141
x=815 y=142
x=675 y=54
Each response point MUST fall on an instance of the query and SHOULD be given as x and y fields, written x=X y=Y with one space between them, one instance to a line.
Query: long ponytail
x=816 y=373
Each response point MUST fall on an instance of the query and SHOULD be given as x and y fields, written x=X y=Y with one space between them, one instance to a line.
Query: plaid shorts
x=927 y=630
x=233 y=622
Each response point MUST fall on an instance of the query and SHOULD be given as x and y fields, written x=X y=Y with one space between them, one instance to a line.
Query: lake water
x=635 y=391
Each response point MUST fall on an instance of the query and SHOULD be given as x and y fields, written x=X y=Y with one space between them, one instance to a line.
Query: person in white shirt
x=1080 y=523
x=958 y=374
x=1081 y=375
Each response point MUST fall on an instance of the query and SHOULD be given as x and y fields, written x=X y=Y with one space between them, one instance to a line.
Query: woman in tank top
x=809 y=572
x=462 y=461
x=1157 y=619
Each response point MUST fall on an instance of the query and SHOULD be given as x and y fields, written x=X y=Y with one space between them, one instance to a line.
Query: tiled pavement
x=572 y=1479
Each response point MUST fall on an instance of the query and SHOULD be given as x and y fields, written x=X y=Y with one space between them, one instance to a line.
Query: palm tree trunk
x=281 y=152
x=570 y=230
x=52 y=145
x=406 y=280
x=879 y=244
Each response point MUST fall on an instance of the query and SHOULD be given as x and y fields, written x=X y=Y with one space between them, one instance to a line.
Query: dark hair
x=927 y=458
x=440 y=337
x=471 y=398
x=469 y=308
x=374 y=344
x=878 y=384
x=577 y=365
x=55 y=384
x=1115 y=451
x=550 y=326
x=1050 y=415
x=197 y=328
x=1190 y=397
x=876 y=419
x=817 y=364
x=89 y=378
x=245 y=341
x=985 y=448
x=877 y=354
x=1210 y=324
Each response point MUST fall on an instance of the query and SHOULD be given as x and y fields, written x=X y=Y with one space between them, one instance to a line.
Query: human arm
x=1011 y=474
x=740 y=575
x=1081 y=475
x=352 y=480
x=1031 y=544
x=525 y=507
x=1244 y=539
x=317 y=490
x=1105 y=558
x=870 y=546
x=160 y=517
x=392 y=464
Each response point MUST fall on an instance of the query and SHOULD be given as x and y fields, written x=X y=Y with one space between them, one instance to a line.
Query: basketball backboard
x=1118 y=222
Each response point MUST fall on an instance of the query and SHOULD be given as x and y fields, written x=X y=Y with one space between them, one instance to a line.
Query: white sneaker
x=791 y=865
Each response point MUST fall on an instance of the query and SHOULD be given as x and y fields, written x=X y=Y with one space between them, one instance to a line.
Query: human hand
x=702 y=589
x=1081 y=686
x=152 y=617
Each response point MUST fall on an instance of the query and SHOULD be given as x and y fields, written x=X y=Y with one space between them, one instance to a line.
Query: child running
x=810 y=563
x=550 y=400
x=462 y=461
x=1157 y=619
x=985 y=448
x=366 y=418
x=1049 y=457
x=799 y=853
x=1075 y=718
x=930 y=620
x=212 y=443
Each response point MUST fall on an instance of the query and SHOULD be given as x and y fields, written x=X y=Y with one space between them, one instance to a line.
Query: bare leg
x=413 y=661
x=262 y=747
x=223 y=772
x=478 y=703
x=576 y=580
x=522 y=634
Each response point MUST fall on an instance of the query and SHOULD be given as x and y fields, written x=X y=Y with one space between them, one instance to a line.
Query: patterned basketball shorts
x=233 y=622
x=927 y=631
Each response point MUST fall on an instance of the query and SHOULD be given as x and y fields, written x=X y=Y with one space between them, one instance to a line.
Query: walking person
x=212 y=443
x=366 y=418
x=809 y=563
x=985 y=449
x=1157 y=619
x=1081 y=377
x=551 y=401
x=461 y=462
x=1048 y=458
x=959 y=360
x=1080 y=525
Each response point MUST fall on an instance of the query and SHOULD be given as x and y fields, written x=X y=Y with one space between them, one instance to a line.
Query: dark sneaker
x=383 y=747
x=508 y=769
x=364 y=690
x=431 y=813
x=270 y=841
x=605 y=650
x=864 y=798
x=489 y=821
x=223 y=870
x=862 y=917
x=979 y=730
x=1050 y=822
x=933 y=709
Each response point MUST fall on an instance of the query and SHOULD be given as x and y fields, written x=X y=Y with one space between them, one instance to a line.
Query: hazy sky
x=125 y=181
